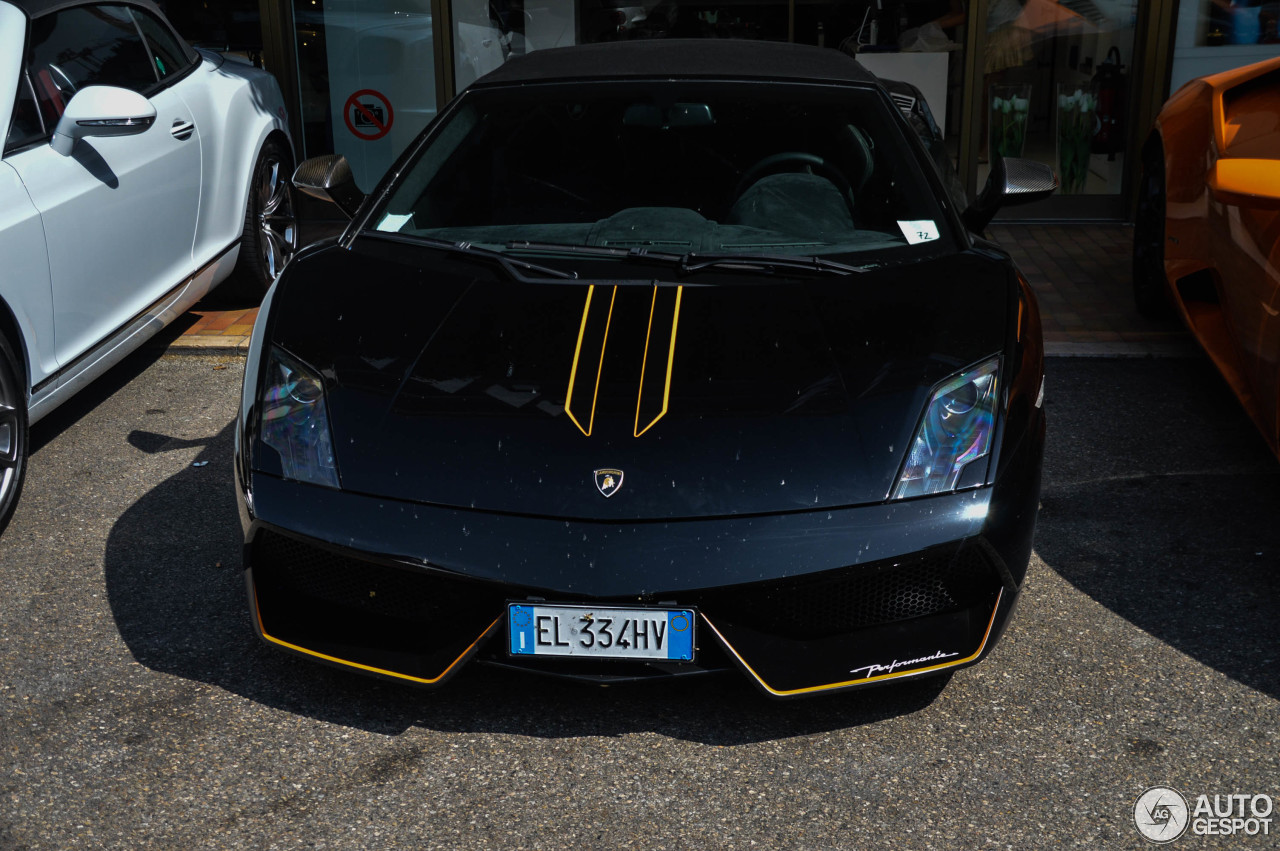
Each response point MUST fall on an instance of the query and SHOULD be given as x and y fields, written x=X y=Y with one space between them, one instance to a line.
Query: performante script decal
x=653 y=395
x=872 y=670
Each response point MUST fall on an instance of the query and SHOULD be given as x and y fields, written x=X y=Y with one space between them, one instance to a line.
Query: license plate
x=597 y=633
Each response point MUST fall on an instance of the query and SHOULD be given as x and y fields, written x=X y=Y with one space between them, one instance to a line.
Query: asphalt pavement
x=137 y=710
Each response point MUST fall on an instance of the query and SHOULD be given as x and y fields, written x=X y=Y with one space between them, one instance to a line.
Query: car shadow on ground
x=176 y=589
x=1162 y=503
x=102 y=388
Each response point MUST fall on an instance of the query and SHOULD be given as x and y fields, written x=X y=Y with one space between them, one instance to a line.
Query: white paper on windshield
x=392 y=223
x=925 y=230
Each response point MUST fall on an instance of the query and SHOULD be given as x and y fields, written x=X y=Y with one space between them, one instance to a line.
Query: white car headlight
x=294 y=421
x=954 y=433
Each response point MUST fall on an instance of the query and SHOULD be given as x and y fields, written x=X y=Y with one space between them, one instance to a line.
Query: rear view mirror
x=1246 y=183
x=101 y=111
x=676 y=115
x=1012 y=181
x=690 y=115
x=329 y=178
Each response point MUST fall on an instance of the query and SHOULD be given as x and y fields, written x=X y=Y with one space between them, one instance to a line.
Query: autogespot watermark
x=1162 y=814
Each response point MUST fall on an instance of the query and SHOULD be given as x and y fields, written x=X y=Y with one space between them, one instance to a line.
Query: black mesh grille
x=853 y=598
x=311 y=571
x=805 y=607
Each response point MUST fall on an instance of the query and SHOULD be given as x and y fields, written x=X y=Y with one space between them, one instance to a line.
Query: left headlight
x=956 y=431
x=294 y=421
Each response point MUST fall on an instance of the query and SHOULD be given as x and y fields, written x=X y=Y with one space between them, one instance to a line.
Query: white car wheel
x=270 y=224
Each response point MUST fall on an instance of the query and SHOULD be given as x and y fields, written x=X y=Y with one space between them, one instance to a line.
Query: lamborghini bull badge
x=608 y=482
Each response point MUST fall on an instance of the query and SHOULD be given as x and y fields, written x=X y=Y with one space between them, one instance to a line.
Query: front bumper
x=801 y=602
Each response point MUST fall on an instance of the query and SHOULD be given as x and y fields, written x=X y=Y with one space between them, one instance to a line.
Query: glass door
x=1055 y=87
x=366 y=78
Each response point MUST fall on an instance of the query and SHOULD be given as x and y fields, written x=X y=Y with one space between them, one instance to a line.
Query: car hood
x=449 y=383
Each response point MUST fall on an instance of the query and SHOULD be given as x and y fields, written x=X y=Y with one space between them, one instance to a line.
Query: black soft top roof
x=36 y=8
x=681 y=58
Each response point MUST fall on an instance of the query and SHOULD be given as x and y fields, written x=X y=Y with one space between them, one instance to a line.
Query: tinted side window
x=169 y=56
x=26 y=126
x=85 y=46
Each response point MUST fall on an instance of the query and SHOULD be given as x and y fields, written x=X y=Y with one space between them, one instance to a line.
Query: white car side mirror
x=101 y=111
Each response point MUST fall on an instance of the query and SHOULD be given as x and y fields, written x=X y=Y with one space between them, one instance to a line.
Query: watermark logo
x=1230 y=815
x=1161 y=814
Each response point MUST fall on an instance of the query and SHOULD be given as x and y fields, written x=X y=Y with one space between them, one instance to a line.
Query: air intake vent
x=906 y=103
x=853 y=598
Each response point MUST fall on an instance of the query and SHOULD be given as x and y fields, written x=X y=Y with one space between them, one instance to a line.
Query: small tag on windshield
x=394 y=223
x=924 y=230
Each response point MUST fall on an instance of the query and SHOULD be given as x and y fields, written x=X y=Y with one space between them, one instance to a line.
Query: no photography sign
x=368 y=115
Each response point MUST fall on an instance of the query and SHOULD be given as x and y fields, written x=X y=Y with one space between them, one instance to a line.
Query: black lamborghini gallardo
x=648 y=359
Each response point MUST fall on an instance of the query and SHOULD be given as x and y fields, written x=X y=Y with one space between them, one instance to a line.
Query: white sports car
x=137 y=174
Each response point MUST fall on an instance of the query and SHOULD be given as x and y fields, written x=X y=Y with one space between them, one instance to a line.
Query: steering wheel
x=812 y=163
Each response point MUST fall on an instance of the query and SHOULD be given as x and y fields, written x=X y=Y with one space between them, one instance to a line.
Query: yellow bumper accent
x=383 y=671
x=864 y=680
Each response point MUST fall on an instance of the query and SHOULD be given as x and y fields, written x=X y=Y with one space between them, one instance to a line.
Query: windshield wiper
x=695 y=262
x=569 y=248
x=766 y=263
x=513 y=266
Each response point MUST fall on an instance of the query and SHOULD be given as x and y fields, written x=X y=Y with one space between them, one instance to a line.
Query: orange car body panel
x=1221 y=142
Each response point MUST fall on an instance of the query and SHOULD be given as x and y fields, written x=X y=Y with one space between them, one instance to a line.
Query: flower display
x=1010 y=108
x=1077 y=123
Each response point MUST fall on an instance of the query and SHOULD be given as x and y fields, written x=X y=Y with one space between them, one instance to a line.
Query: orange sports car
x=1207 y=231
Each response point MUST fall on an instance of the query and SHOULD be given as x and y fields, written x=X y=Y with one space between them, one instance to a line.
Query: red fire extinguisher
x=1109 y=88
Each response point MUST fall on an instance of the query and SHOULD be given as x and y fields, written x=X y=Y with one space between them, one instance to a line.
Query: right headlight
x=294 y=421
x=956 y=431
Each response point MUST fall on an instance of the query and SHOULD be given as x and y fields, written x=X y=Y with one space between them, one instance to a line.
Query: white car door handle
x=182 y=129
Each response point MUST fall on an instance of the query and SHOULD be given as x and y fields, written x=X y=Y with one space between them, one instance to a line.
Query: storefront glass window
x=488 y=32
x=1056 y=81
x=917 y=41
x=366 y=78
x=1217 y=35
x=230 y=27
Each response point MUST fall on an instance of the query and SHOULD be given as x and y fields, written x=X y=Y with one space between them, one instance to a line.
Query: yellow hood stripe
x=671 y=358
x=590 y=413
x=589 y=350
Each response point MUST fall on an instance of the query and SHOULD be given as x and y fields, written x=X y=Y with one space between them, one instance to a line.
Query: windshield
x=677 y=167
